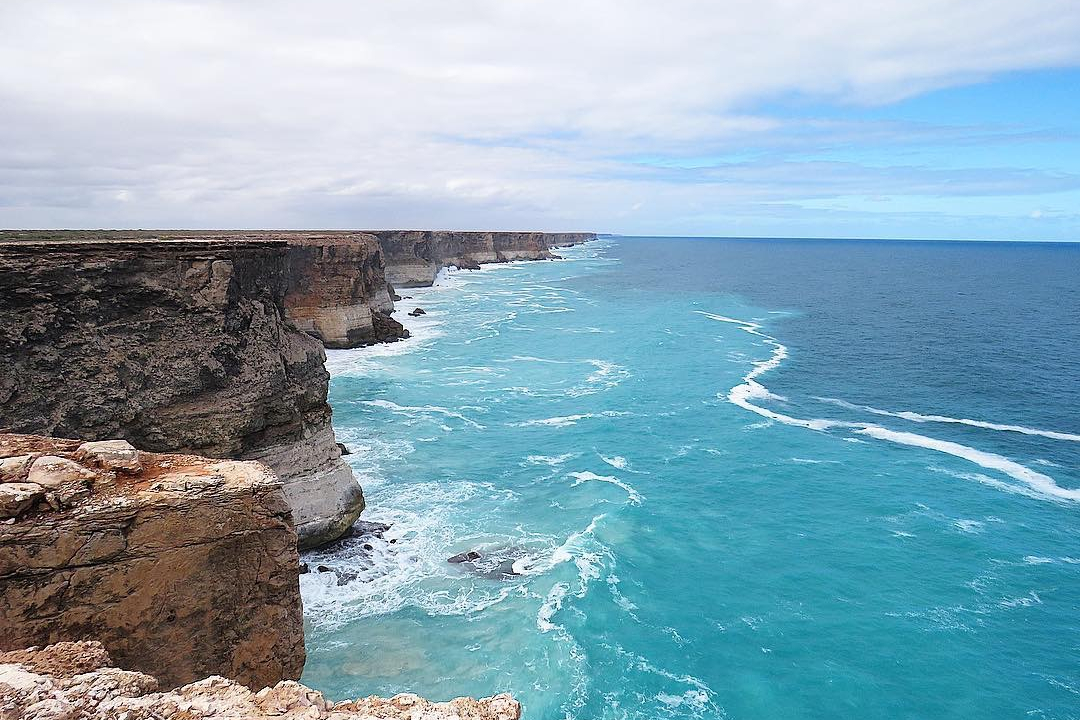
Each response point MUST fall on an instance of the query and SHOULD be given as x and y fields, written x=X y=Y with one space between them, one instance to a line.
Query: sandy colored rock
x=15 y=469
x=175 y=342
x=58 y=682
x=185 y=569
x=110 y=455
x=52 y=471
x=18 y=497
x=337 y=290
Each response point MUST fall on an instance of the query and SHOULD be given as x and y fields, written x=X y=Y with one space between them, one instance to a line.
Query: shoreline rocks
x=181 y=566
x=76 y=681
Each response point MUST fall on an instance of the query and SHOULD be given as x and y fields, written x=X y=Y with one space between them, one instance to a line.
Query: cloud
x=482 y=113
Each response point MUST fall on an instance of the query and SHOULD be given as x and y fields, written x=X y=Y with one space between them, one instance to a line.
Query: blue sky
x=894 y=118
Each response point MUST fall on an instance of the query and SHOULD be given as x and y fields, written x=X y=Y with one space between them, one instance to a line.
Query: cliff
x=177 y=342
x=414 y=257
x=181 y=566
x=74 y=681
x=558 y=240
x=337 y=290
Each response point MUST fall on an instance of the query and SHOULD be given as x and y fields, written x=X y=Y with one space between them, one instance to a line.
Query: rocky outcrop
x=74 y=681
x=176 y=342
x=414 y=257
x=337 y=290
x=181 y=566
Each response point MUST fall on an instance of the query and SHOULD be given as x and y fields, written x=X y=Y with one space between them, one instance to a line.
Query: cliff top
x=277 y=237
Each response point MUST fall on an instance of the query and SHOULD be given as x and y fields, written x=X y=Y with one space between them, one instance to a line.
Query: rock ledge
x=74 y=681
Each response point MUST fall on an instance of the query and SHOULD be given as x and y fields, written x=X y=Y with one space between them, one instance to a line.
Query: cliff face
x=181 y=566
x=337 y=290
x=558 y=240
x=177 y=345
x=73 y=681
x=414 y=257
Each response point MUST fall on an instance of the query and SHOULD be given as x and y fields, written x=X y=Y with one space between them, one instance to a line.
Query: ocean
x=715 y=478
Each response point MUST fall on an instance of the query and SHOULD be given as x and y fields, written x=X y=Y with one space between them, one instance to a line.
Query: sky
x=956 y=119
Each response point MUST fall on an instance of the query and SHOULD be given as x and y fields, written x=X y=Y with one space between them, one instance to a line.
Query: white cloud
x=479 y=113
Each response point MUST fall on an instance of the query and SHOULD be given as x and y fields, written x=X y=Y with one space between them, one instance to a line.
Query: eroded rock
x=74 y=681
x=184 y=569
x=116 y=455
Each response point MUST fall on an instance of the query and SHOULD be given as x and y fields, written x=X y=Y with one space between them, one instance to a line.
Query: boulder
x=17 y=497
x=118 y=455
x=52 y=471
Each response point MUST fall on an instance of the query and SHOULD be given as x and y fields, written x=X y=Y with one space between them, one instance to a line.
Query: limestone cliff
x=181 y=566
x=559 y=240
x=414 y=257
x=337 y=290
x=177 y=342
x=73 y=681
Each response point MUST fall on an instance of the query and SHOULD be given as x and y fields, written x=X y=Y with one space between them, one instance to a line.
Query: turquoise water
x=744 y=479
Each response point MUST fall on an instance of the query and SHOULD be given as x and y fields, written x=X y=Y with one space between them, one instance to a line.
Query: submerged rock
x=417 y=312
x=497 y=563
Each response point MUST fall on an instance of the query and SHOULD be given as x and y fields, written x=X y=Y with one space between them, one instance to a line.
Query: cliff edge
x=175 y=342
x=181 y=566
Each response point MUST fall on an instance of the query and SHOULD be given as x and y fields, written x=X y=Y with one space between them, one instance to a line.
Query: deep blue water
x=735 y=478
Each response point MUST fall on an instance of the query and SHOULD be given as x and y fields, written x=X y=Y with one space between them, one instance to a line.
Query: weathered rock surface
x=73 y=681
x=338 y=291
x=176 y=342
x=181 y=566
x=414 y=257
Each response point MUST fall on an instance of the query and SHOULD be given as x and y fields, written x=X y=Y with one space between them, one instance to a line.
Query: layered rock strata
x=177 y=342
x=558 y=240
x=181 y=566
x=74 y=681
x=414 y=257
x=337 y=290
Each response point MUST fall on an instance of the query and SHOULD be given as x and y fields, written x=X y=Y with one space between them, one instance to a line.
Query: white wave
x=551 y=605
x=811 y=461
x=412 y=409
x=968 y=526
x=400 y=569
x=750 y=389
x=920 y=418
x=583 y=477
x=607 y=375
x=1042 y=483
x=566 y=420
x=550 y=460
x=618 y=462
